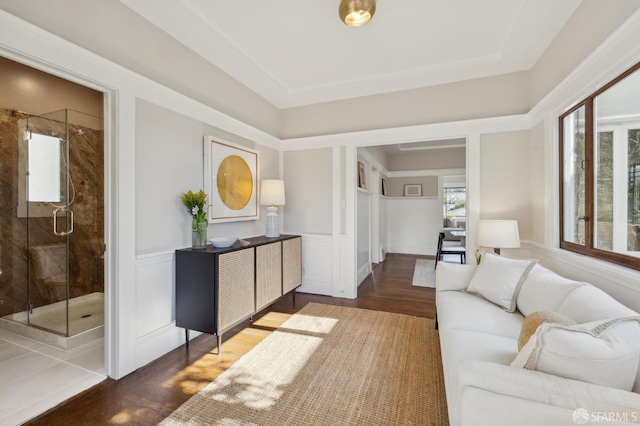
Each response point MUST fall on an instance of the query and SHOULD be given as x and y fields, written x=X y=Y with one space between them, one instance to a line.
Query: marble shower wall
x=31 y=255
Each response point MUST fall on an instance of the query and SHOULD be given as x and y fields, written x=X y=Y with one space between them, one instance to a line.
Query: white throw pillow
x=588 y=303
x=604 y=353
x=498 y=279
x=453 y=276
x=544 y=290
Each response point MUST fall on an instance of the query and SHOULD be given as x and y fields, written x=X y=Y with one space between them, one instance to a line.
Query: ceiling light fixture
x=355 y=13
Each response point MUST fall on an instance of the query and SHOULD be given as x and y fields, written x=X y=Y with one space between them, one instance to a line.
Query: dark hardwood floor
x=151 y=393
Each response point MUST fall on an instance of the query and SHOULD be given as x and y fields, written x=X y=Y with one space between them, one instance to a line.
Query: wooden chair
x=458 y=251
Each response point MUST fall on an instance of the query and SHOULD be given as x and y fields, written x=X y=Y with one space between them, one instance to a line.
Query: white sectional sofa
x=479 y=344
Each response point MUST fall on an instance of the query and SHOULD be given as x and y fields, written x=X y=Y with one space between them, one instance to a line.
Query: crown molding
x=619 y=52
x=31 y=45
x=408 y=134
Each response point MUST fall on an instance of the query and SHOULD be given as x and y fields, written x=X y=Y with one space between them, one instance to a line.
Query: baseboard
x=160 y=341
x=363 y=272
x=426 y=251
x=316 y=286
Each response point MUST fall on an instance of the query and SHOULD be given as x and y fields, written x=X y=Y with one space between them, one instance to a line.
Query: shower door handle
x=55 y=222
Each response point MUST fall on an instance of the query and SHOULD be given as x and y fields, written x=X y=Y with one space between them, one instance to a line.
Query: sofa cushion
x=536 y=392
x=459 y=345
x=465 y=311
x=533 y=321
x=498 y=279
x=588 y=303
x=544 y=290
x=604 y=353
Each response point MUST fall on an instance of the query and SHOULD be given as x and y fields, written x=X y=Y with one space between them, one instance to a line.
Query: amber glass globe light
x=355 y=13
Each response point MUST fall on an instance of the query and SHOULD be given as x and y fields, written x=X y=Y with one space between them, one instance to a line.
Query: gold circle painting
x=235 y=184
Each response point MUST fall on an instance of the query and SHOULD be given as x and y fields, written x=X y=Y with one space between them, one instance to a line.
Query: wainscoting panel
x=156 y=333
x=363 y=225
x=343 y=288
x=317 y=264
x=413 y=225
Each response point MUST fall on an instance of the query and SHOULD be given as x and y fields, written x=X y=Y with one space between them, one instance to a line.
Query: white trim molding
x=418 y=133
x=427 y=172
x=617 y=53
x=317 y=264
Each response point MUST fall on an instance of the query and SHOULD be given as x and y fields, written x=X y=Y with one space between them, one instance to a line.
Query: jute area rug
x=424 y=274
x=330 y=365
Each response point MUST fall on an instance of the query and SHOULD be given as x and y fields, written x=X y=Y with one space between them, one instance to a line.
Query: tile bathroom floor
x=35 y=377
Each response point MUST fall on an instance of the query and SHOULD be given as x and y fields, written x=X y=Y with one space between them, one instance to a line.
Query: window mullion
x=620 y=175
x=590 y=186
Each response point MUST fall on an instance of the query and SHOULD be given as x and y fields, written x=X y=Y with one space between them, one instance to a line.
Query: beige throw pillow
x=532 y=322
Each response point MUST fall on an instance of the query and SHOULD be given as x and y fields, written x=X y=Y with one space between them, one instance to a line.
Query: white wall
x=377 y=153
x=308 y=187
x=479 y=98
x=363 y=220
x=383 y=222
x=504 y=185
x=317 y=265
x=429 y=185
x=413 y=224
x=375 y=216
x=573 y=44
x=442 y=158
x=363 y=229
x=538 y=200
x=165 y=169
x=309 y=184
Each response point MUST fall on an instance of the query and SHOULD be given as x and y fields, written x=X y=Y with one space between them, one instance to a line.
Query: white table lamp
x=498 y=234
x=272 y=195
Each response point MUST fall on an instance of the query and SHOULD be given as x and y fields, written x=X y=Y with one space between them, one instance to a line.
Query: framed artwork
x=413 y=190
x=384 y=187
x=230 y=181
x=361 y=176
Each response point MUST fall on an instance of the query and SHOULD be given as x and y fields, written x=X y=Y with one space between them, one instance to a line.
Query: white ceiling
x=298 y=52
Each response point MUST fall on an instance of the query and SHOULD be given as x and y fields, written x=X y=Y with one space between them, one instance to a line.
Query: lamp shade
x=272 y=193
x=498 y=233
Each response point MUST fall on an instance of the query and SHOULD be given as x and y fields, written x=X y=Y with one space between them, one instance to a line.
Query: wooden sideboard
x=217 y=288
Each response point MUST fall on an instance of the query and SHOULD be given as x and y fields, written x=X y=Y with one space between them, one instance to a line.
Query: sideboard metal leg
x=293 y=293
x=219 y=343
x=186 y=337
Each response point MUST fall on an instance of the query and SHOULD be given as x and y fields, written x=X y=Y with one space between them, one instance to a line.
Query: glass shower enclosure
x=53 y=255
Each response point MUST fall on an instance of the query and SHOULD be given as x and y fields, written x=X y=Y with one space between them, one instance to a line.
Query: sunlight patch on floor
x=197 y=375
x=127 y=417
x=260 y=383
x=312 y=324
x=259 y=379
